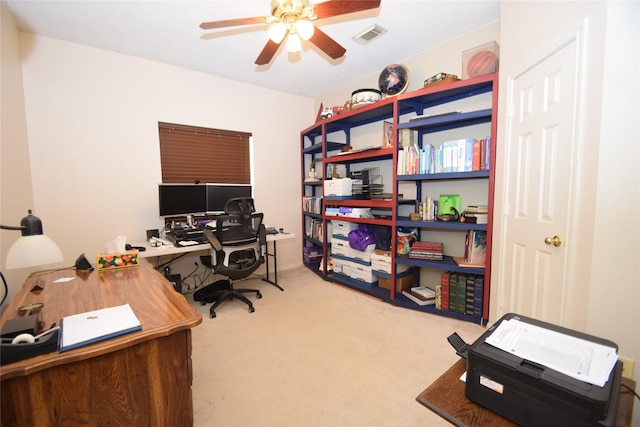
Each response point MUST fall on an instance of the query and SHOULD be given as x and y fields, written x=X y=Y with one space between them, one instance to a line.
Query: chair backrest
x=238 y=229
x=240 y=206
x=238 y=243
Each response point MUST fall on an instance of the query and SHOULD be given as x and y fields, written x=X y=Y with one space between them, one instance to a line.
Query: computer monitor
x=182 y=199
x=218 y=194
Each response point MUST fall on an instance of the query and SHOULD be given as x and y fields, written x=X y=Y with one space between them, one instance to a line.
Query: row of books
x=462 y=155
x=312 y=204
x=460 y=293
x=314 y=229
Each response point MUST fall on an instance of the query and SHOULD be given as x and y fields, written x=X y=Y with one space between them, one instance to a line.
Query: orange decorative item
x=109 y=261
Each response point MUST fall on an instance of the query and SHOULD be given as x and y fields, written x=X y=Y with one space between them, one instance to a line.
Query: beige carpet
x=318 y=354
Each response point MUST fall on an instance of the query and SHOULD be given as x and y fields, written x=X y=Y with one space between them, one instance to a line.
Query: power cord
x=6 y=288
x=631 y=391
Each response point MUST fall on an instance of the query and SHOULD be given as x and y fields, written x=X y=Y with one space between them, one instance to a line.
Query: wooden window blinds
x=189 y=154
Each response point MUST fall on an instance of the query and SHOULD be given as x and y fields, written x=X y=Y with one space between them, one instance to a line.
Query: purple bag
x=361 y=237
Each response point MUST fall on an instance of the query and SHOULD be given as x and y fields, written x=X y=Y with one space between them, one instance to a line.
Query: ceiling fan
x=292 y=19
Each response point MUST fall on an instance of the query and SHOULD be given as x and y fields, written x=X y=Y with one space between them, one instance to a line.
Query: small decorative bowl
x=362 y=97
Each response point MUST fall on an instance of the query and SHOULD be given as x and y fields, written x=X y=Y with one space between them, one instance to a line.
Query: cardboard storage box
x=355 y=271
x=340 y=246
x=338 y=187
x=381 y=262
x=342 y=228
x=402 y=282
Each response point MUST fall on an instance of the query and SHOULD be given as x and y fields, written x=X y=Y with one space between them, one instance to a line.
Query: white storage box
x=382 y=262
x=363 y=273
x=342 y=228
x=340 y=246
x=352 y=270
x=338 y=187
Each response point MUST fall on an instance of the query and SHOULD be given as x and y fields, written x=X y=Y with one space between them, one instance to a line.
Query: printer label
x=493 y=385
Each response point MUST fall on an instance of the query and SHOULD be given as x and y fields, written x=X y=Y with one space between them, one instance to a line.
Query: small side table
x=446 y=397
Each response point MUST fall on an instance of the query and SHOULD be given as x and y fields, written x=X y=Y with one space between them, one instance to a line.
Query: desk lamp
x=33 y=248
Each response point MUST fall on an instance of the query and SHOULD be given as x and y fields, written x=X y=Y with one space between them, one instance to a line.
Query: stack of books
x=421 y=295
x=476 y=214
x=426 y=250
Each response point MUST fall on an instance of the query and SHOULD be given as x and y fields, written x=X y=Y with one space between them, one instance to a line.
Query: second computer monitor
x=218 y=194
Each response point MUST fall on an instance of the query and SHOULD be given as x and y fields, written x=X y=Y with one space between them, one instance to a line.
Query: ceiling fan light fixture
x=277 y=32
x=305 y=29
x=293 y=43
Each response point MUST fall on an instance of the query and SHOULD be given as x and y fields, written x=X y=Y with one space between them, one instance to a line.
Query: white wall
x=445 y=58
x=608 y=247
x=92 y=135
x=15 y=171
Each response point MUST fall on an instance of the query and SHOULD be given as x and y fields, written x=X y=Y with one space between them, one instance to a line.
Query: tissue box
x=110 y=261
x=480 y=60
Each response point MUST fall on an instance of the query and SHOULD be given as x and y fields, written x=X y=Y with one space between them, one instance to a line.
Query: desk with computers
x=222 y=220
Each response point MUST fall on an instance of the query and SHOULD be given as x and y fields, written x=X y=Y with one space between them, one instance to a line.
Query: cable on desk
x=631 y=391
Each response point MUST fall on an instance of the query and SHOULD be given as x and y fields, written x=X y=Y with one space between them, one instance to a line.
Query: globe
x=394 y=79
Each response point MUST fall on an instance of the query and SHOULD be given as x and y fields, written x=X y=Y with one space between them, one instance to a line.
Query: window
x=189 y=154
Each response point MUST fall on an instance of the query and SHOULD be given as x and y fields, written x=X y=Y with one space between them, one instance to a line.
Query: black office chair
x=237 y=244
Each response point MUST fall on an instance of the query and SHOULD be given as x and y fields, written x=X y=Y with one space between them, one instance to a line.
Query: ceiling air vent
x=369 y=34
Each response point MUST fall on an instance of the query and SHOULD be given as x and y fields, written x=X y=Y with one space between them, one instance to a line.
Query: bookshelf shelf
x=465 y=107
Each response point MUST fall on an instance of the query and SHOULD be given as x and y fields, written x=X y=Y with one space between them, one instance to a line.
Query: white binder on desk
x=82 y=329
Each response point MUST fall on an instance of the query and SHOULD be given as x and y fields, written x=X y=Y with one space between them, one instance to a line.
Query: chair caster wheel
x=203 y=303
x=251 y=309
x=212 y=315
x=258 y=295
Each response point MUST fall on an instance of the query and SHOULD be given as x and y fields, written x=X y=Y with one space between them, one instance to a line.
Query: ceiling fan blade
x=327 y=44
x=268 y=52
x=233 y=22
x=331 y=8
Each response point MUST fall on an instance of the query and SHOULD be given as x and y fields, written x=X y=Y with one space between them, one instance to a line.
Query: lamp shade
x=293 y=43
x=305 y=29
x=29 y=251
x=33 y=248
x=277 y=32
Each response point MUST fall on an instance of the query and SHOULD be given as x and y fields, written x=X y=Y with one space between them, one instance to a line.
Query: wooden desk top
x=446 y=397
x=161 y=310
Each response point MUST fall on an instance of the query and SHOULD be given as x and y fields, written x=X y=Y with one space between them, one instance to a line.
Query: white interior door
x=539 y=153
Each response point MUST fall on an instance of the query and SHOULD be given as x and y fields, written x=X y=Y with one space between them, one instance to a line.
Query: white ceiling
x=168 y=31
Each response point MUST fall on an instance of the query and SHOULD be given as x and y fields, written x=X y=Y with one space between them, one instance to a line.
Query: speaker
x=176 y=281
x=82 y=263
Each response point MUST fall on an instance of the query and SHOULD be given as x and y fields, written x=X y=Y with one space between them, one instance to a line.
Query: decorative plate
x=394 y=79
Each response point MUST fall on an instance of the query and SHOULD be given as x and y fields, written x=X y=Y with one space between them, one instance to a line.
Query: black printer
x=530 y=394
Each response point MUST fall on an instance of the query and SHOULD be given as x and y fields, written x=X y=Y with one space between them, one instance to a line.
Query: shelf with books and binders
x=452 y=152
x=456 y=118
x=312 y=179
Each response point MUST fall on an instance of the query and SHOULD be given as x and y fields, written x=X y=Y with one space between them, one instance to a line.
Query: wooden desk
x=143 y=378
x=446 y=397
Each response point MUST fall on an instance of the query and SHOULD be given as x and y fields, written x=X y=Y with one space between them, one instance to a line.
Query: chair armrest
x=213 y=240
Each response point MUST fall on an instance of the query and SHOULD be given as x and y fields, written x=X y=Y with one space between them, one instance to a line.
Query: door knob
x=555 y=241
